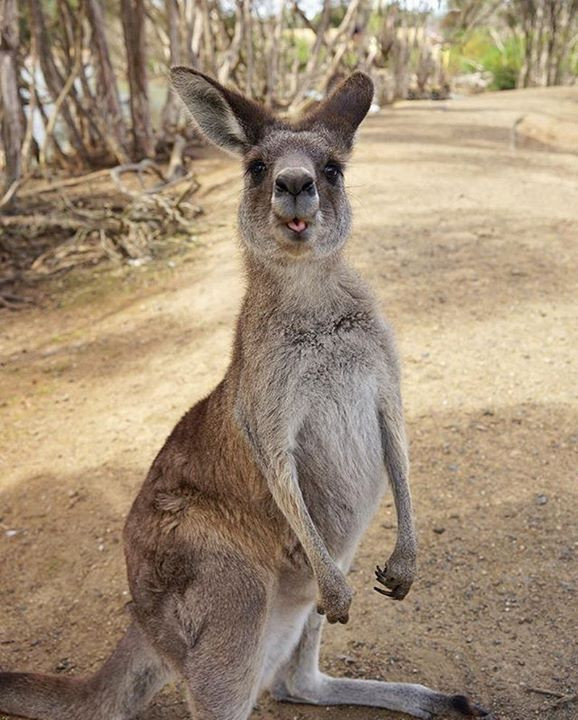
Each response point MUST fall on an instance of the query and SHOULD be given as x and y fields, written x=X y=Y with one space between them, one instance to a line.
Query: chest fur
x=334 y=424
x=312 y=383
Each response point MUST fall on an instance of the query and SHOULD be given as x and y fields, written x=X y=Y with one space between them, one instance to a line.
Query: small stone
x=11 y=533
x=347 y=659
x=541 y=499
x=439 y=530
x=64 y=665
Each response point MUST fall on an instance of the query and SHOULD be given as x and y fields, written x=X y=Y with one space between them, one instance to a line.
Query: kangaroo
x=240 y=538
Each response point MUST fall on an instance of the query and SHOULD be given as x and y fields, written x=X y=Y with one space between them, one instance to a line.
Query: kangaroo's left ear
x=225 y=117
x=342 y=112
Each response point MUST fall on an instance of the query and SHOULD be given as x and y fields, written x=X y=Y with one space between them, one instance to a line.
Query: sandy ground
x=470 y=240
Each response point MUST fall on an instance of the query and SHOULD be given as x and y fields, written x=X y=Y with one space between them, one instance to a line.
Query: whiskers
x=356 y=200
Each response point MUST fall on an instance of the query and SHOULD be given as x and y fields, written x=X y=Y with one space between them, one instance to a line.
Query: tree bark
x=209 y=64
x=12 y=124
x=249 y=54
x=232 y=55
x=565 y=43
x=53 y=78
x=133 y=17
x=273 y=47
x=105 y=77
x=195 y=26
x=311 y=71
x=171 y=109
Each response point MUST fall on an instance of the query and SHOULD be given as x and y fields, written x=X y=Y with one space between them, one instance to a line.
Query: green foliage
x=480 y=50
x=336 y=14
x=505 y=63
x=302 y=50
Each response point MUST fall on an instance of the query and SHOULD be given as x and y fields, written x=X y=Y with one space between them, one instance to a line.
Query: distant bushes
x=484 y=51
x=504 y=63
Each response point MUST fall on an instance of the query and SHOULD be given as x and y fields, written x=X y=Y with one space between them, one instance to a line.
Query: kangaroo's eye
x=257 y=169
x=332 y=172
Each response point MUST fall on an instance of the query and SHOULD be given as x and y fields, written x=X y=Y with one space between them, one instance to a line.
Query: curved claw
x=383 y=592
x=397 y=588
x=465 y=707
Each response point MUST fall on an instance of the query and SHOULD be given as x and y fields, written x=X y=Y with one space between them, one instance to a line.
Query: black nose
x=295 y=181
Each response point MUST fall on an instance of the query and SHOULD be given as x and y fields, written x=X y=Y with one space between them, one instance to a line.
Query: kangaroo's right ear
x=342 y=112
x=225 y=117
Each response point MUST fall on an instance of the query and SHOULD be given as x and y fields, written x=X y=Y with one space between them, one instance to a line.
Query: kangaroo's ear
x=342 y=112
x=225 y=117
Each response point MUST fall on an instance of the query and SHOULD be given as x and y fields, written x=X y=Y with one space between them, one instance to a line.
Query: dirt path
x=472 y=247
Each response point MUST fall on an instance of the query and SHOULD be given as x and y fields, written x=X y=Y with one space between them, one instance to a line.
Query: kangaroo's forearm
x=406 y=535
x=397 y=466
x=273 y=457
x=334 y=593
x=284 y=486
x=399 y=571
x=278 y=467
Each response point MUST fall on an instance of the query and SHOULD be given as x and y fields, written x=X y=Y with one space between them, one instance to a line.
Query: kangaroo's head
x=294 y=203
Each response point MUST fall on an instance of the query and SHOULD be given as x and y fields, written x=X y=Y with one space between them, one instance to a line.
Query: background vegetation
x=83 y=88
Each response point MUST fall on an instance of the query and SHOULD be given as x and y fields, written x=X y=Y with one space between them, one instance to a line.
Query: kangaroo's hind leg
x=301 y=681
x=215 y=632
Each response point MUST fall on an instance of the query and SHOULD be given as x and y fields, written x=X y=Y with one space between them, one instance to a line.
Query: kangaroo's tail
x=125 y=684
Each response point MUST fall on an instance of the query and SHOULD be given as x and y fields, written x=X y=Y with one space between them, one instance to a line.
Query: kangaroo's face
x=294 y=201
x=294 y=204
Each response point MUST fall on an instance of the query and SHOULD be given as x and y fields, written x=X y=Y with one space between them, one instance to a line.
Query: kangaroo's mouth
x=297 y=225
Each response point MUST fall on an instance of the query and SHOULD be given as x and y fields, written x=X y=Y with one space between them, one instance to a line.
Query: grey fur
x=248 y=520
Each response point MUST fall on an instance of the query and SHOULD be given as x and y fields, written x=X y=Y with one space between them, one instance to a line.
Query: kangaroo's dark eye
x=257 y=169
x=332 y=172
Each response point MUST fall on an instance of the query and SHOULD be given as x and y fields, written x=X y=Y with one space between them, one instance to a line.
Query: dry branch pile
x=116 y=214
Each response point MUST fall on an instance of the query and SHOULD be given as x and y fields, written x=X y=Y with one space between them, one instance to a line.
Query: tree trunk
x=53 y=78
x=232 y=54
x=209 y=64
x=565 y=44
x=273 y=49
x=12 y=125
x=105 y=77
x=195 y=26
x=311 y=71
x=171 y=109
x=528 y=52
x=249 y=54
x=133 y=17
x=540 y=58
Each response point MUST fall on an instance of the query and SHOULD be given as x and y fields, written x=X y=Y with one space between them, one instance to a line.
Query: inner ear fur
x=342 y=112
x=225 y=117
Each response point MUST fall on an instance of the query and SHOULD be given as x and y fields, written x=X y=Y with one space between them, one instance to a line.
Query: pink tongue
x=297 y=225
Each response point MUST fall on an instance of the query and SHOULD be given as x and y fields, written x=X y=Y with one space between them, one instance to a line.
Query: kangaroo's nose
x=294 y=181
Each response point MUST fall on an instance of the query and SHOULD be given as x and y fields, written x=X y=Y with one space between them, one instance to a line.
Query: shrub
x=483 y=51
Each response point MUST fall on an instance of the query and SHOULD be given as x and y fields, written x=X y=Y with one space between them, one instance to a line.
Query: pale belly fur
x=342 y=476
x=340 y=462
